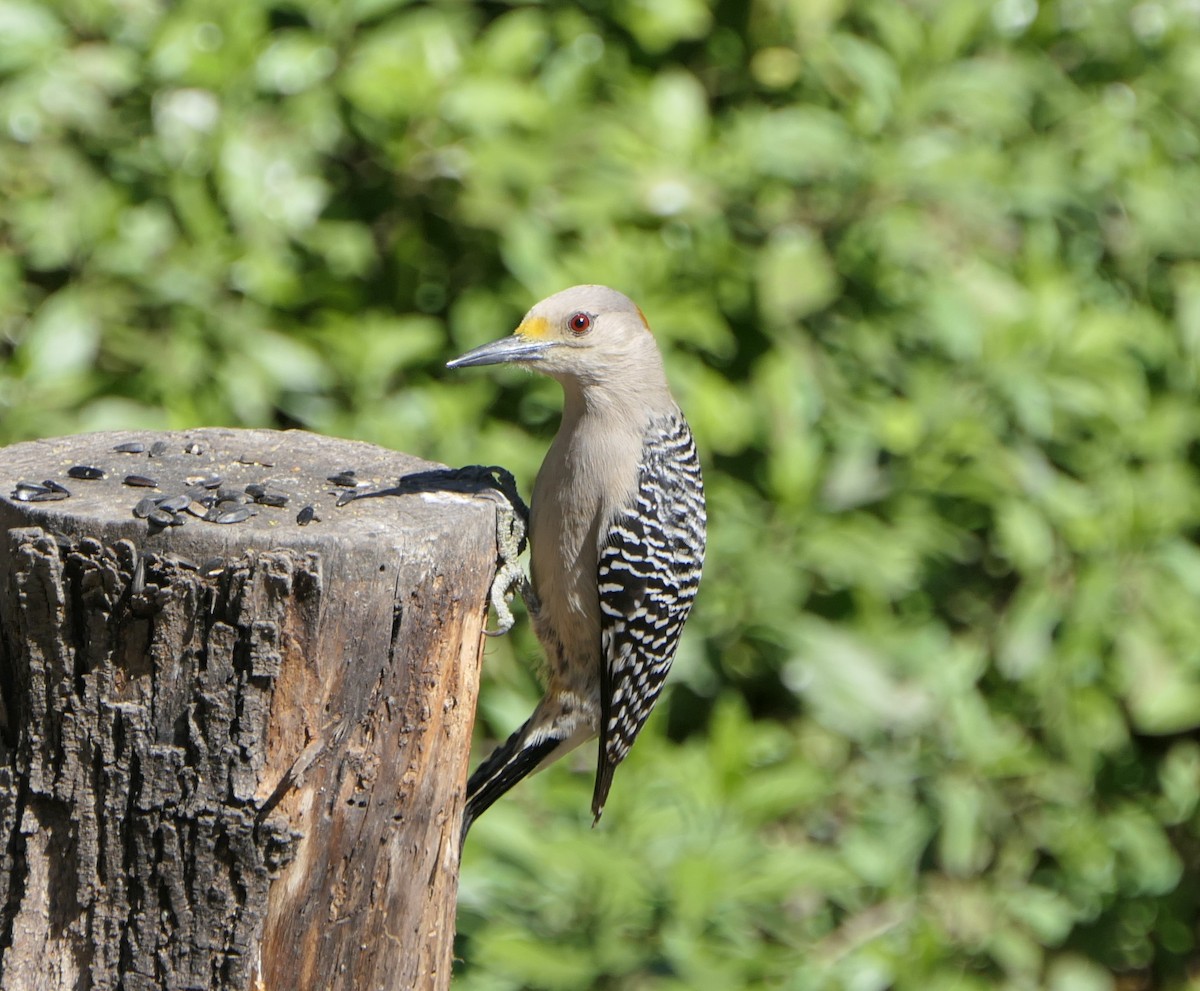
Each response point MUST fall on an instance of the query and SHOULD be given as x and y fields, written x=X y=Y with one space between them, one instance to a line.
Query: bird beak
x=529 y=342
x=514 y=348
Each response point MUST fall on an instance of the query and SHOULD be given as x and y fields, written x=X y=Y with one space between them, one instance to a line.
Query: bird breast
x=589 y=474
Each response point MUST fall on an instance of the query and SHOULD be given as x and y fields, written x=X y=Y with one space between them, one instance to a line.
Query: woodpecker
x=616 y=535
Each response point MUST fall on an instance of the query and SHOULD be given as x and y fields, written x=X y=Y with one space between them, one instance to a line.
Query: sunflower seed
x=174 y=504
x=158 y=448
x=236 y=516
x=307 y=515
x=204 y=481
x=32 y=492
x=141 y=481
x=144 y=508
x=130 y=447
x=85 y=471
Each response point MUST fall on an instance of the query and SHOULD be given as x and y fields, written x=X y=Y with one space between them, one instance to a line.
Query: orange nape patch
x=645 y=322
x=535 y=327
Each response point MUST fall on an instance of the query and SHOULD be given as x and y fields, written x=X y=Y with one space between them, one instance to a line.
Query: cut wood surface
x=233 y=754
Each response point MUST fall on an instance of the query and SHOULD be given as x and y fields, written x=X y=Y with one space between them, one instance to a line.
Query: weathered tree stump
x=232 y=755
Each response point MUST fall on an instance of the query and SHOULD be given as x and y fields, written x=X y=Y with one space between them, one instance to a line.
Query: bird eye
x=580 y=323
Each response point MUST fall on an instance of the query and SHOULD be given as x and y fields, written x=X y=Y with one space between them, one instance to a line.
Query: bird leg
x=512 y=524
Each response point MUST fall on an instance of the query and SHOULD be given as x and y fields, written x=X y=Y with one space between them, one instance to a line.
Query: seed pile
x=47 y=491
x=205 y=497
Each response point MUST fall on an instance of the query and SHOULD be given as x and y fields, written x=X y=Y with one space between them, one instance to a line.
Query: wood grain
x=233 y=756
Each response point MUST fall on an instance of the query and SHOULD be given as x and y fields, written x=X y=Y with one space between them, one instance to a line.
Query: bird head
x=586 y=333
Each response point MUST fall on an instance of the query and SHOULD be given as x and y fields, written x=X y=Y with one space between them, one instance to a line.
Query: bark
x=233 y=755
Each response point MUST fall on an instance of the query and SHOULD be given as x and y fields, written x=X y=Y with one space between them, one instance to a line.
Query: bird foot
x=512 y=523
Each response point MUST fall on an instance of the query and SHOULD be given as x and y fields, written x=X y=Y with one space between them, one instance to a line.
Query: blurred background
x=927 y=278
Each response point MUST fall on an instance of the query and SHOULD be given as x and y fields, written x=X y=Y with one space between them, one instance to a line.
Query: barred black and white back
x=649 y=570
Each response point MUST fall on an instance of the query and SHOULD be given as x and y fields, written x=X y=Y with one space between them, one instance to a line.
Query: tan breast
x=589 y=473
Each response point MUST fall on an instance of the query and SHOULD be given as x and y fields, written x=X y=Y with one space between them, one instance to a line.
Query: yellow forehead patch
x=535 y=327
x=645 y=322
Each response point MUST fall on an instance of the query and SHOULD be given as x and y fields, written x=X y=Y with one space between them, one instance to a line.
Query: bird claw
x=512 y=522
x=509 y=579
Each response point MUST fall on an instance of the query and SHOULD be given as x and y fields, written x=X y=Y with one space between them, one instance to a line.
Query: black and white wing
x=649 y=570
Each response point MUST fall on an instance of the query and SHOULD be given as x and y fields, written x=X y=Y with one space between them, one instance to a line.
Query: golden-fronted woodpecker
x=616 y=535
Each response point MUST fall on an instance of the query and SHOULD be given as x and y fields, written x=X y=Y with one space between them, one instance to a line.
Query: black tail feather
x=604 y=777
x=508 y=764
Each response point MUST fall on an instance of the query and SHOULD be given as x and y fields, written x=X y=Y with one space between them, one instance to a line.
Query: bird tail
x=543 y=738
x=604 y=776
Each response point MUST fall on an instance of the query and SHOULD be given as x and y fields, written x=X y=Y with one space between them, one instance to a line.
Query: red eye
x=580 y=323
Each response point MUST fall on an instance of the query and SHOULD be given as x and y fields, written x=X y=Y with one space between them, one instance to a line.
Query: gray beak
x=513 y=348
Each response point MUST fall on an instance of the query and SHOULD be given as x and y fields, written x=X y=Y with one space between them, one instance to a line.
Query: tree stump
x=232 y=754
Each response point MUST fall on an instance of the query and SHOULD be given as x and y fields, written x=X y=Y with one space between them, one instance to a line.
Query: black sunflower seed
x=235 y=516
x=141 y=481
x=89 y=472
x=130 y=447
x=307 y=515
x=144 y=508
x=204 y=481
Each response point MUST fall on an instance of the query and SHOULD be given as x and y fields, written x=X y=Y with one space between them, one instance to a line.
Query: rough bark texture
x=233 y=756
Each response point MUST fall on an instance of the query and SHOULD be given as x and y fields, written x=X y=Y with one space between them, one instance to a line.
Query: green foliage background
x=927 y=275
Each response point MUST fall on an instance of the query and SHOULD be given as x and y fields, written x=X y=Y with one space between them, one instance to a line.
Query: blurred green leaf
x=927 y=285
